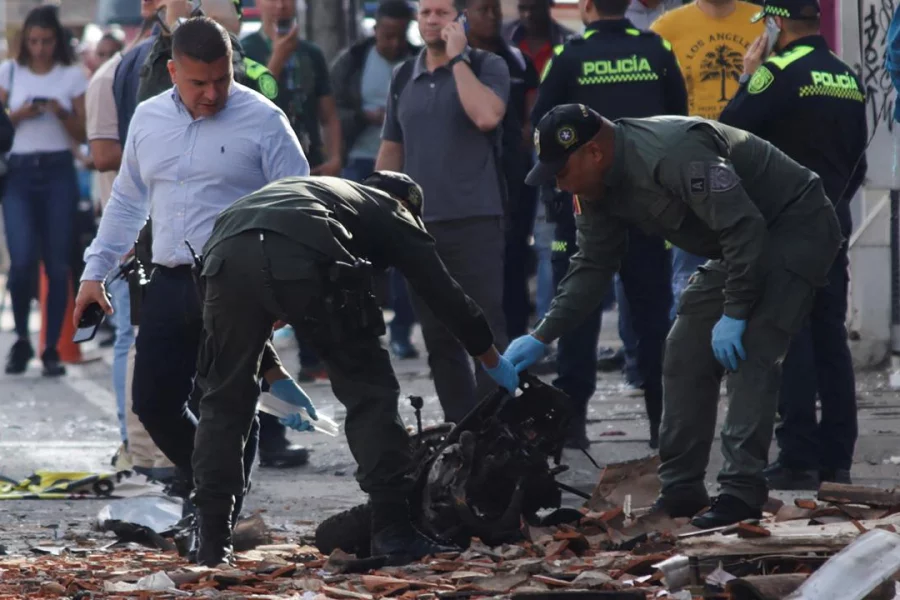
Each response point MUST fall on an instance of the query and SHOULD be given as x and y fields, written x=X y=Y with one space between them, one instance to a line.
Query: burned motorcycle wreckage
x=479 y=478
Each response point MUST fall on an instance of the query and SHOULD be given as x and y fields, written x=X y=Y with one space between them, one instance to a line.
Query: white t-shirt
x=44 y=133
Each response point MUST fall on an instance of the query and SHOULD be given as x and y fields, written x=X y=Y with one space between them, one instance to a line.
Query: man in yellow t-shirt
x=710 y=38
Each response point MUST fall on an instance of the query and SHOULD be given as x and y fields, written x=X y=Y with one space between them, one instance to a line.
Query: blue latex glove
x=524 y=351
x=290 y=392
x=726 y=341
x=505 y=375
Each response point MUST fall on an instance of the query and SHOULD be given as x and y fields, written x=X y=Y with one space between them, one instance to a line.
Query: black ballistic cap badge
x=398 y=185
x=560 y=133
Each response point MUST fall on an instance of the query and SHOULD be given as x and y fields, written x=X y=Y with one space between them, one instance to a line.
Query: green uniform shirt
x=709 y=189
x=304 y=80
x=335 y=219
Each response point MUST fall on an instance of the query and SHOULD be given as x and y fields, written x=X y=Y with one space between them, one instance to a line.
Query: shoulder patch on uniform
x=698 y=177
x=722 y=178
x=268 y=87
x=760 y=81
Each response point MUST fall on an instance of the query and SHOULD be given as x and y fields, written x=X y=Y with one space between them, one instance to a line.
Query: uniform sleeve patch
x=268 y=86
x=760 y=81
x=722 y=178
x=698 y=177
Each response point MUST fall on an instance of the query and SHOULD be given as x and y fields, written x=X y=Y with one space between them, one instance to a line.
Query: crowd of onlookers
x=494 y=234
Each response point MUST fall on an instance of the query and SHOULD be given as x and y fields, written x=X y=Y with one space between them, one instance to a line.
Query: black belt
x=177 y=271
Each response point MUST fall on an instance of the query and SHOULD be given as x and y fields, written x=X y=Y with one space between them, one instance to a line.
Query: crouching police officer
x=784 y=100
x=772 y=235
x=298 y=251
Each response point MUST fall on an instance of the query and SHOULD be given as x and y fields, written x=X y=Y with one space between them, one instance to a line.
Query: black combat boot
x=780 y=477
x=726 y=510
x=681 y=505
x=214 y=533
x=836 y=476
x=576 y=432
x=394 y=537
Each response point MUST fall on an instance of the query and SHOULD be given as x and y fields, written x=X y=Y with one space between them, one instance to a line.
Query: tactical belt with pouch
x=349 y=309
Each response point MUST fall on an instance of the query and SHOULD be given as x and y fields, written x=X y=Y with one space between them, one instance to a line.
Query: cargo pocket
x=704 y=293
x=787 y=300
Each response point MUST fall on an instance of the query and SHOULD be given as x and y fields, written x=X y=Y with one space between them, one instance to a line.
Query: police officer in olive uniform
x=301 y=250
x=771 y=234
x=618 y=71
x=810 y=104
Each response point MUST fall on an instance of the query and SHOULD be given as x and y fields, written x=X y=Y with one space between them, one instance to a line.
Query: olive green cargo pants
x=242 y=303
x=692 y=377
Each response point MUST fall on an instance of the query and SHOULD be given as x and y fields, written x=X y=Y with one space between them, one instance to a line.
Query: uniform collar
x=609 y=25
x=616 y=172
x=816 y=41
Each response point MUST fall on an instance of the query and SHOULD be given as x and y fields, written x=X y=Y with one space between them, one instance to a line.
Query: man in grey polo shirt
x=441 y=129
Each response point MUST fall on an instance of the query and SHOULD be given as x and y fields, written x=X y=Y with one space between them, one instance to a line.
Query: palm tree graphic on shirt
x=721 y=64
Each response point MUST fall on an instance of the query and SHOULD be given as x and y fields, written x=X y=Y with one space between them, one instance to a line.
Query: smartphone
x=772 y=33
x=89 y=323
x=284 y=26
x=40 y=100
x=465 y=22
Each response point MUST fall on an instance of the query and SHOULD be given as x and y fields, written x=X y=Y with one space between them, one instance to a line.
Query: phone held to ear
x=284 y=26
x=772 y=33
x=465 y=22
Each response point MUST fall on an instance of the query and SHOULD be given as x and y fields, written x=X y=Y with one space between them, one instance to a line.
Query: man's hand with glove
x=290 y=392
x=726 y=342
x=524 y=351
x=500 y=370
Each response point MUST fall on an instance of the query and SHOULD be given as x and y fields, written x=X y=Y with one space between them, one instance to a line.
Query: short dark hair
x=611 y=7
x=46 y=17
x=394 y=9
x=201 y=38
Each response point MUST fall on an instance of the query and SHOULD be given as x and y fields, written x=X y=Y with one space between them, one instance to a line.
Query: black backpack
x=502 y=137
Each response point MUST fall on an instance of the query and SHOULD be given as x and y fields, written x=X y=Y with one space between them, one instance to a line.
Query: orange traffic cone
x=69 y=351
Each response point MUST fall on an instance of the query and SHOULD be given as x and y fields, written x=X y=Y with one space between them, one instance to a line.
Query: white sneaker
x=630 y=390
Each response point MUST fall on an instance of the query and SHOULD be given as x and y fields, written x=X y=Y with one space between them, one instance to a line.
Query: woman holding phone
x=44 y=91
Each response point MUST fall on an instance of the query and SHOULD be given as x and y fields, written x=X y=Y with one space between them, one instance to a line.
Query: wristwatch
x=461 y=57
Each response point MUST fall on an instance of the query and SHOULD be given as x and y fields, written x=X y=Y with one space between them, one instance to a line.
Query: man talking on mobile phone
x=442 y=128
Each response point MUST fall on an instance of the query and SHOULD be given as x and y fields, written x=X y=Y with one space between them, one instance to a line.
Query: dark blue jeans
x=401 y=325
x=38 y=211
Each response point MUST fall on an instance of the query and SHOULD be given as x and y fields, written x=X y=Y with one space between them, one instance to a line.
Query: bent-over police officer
x=301 y=250
x=618 y=71
x=771 y=235
x=811 y=105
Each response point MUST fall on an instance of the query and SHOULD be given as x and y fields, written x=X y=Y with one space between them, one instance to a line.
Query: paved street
x=70 y=424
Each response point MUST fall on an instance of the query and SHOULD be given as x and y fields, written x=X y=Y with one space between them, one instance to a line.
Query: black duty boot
x=402 y=544
x=726 y=510
x=681 y=505
x=18 y=357
x=215 y=539
x=780 y=477
x=53 y=366
x=836 y=476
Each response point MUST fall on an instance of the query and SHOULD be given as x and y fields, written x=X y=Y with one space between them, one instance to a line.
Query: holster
x=350 y=307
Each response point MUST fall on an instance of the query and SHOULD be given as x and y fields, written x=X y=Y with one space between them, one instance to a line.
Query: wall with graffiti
x=864 y=28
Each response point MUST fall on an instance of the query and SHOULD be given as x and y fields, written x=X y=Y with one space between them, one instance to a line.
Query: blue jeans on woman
x=38 y=210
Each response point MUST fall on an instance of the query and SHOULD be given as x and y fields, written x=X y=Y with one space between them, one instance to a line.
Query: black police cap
x=400 y=186
x=788 y=9
x=560 y=133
